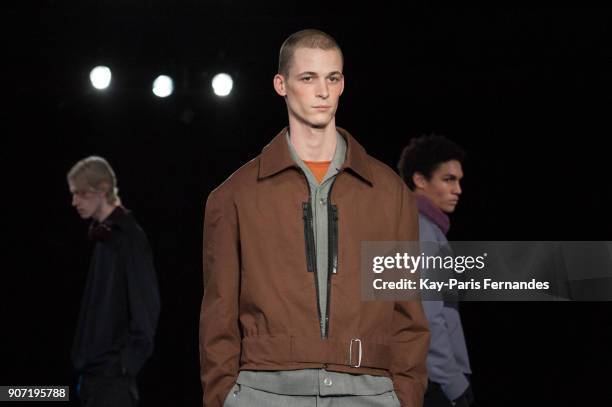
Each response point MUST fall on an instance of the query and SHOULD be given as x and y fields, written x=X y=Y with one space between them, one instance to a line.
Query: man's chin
x=450 y=209
x=322 y=124
x=319 y=126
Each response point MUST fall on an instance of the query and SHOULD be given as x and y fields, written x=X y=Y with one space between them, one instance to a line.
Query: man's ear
x=419 y=180
x=279 y=85
x=103 y=187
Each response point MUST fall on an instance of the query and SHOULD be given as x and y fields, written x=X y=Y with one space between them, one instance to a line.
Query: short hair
x=309 y=38
x=424 y=155
x=92 y=172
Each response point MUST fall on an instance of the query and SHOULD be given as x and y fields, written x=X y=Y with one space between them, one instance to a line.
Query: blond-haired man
x=120 y=306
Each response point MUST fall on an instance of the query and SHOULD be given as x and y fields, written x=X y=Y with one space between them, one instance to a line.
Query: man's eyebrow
x=316 y=74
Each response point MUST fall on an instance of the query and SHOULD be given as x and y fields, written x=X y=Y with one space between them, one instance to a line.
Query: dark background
x=527 y=91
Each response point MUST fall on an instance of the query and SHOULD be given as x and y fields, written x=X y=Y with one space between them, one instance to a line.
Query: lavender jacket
x=447 y=359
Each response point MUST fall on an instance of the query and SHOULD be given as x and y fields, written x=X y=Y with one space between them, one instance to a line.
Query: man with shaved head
x=282 y=320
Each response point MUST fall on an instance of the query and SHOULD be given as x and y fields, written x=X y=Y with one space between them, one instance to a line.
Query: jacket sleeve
x=143 y=302
x=220 y=341
x=410 y=331
x=441 y=362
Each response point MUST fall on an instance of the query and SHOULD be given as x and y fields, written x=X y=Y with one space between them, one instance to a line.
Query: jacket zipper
x=309 y=236
x=332 y=250
x=311 y=263
x=332 y=242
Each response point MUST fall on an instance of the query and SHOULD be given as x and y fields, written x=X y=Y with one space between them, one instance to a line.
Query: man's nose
x=323 y=89
x=75 y=200
x=457 y=189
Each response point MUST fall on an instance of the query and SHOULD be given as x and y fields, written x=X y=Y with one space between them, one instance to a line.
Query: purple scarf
x=435 y=214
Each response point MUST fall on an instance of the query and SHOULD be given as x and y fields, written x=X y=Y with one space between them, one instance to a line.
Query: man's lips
x=322 y=107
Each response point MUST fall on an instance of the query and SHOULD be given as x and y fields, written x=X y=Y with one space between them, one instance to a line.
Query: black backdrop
x=525 y=90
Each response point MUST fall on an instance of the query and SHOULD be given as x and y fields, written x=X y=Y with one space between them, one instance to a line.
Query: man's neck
x=312 y=144
x=104 y=212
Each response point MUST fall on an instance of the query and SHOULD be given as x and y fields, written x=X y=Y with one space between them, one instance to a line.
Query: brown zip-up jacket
x=260 y=306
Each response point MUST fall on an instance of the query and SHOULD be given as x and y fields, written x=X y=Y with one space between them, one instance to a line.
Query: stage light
x=222 y=84
x=100 y=77
x=163 y=86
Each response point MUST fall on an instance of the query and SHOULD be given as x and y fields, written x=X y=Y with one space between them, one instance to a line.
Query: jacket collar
x=275 y=157
x=102 y=230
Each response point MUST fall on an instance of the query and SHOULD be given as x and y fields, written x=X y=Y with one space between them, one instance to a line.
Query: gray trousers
x=245 y=396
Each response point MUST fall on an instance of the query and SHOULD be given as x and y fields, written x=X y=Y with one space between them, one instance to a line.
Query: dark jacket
x=120 y=304
x=259 y=309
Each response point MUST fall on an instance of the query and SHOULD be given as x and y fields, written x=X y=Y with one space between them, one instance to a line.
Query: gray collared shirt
x=319 y=193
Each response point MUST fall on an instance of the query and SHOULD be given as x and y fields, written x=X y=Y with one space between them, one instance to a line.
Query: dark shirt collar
x=100 y=231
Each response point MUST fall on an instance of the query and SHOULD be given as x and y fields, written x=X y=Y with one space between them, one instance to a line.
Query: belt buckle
x=351 y=352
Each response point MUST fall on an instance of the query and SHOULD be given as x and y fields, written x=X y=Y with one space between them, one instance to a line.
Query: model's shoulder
x=128 y=233
x=241 y=179
x=383 y=175
x=429 y=230
x=131 y=227
x=380 y=173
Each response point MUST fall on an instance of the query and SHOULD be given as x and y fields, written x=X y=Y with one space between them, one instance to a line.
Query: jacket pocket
x=232 y=397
